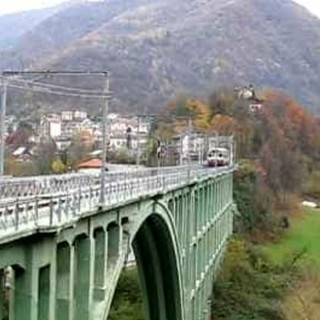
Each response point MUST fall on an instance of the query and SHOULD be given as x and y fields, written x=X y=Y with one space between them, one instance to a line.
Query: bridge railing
x=54 y=209
x=29 y=186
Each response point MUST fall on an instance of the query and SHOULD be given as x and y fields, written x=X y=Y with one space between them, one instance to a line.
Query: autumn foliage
x=280 y=142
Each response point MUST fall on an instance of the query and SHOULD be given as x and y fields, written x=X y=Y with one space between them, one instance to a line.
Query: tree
x=21 y=136
x=223 y=125
x=58 y=167
x=81 y=145
x=222 y=101
x=45 y=155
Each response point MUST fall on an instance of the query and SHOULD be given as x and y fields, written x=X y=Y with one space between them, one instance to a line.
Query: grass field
x=303 y=298
x=303 y=235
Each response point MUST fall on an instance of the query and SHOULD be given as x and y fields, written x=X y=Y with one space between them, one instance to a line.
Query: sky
x=22 y=5
x=312 y=5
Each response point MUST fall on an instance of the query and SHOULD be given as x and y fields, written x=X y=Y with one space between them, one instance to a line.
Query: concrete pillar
x=181 y=221
x=177 y=218
x=199 y=310
x=203 y=254
x=212 y=248
x=193 y=309
x=194 y=266
x=71 y=282
x=199 y=259
x=176 y=212
x=24 y=296
x=100 y=262
x=1 y=295
x=200 y=209
x=63 y=281
x=82 y=247
x=113 y=245
x=215 y=235
x=206 y=248
x=219 y=195
x=53 y=285
x=215 y=196
x=171 y=206
x=185 y=221
x=44 y=293
x=207 y=203
x=195 y=213
x=211 y=200
x=187 y=272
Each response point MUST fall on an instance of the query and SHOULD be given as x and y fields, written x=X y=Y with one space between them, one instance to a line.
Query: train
x=218 y=157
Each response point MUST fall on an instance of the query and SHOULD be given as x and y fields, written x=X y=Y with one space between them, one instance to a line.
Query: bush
x=254 y=201
x=58 y=167
x=127 y=302
x=248 y=285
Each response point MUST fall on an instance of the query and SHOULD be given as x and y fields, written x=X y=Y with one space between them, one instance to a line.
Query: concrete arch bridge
x=67 y=250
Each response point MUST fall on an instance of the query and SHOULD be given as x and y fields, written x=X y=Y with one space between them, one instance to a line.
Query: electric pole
x=104 y=139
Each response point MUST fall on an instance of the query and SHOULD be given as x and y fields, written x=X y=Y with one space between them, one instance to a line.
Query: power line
x=39 y=90
x=53 y=86
x=56 y=73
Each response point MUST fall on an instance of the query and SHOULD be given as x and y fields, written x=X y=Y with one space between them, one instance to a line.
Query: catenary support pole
x=104 y=141
x=2 y=125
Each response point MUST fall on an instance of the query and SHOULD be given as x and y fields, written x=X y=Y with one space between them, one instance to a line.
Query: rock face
x=157 y=49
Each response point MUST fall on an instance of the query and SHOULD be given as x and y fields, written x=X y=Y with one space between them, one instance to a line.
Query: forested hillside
x=157 y=49
x=278 y=156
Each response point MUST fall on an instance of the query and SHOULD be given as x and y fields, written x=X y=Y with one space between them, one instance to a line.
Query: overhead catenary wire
x=53 y=86
x=60 y=93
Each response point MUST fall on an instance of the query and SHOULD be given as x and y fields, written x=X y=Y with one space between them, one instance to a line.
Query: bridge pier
x=63 y=281
x=2 y=294
x=25 y=292
x=100 y=264
x=44 y=293
x=82 y=269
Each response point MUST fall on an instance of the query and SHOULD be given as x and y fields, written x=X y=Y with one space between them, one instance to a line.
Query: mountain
x=157 y=49
x=15 y=25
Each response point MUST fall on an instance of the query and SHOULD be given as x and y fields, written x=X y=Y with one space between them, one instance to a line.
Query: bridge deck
x=53 y=201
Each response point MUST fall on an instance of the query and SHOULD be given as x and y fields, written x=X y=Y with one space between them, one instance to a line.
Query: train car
x=218 y=157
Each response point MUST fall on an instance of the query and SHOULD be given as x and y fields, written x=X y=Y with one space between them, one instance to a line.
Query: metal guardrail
x=28 y=213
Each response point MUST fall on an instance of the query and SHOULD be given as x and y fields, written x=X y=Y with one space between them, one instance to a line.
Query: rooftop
x=92 y=164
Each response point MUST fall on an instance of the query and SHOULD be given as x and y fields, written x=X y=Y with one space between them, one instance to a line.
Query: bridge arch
x=158 y=265
x=155 y=244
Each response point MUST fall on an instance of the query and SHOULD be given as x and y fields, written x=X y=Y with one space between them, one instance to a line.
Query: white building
x=197 y=145
x=190 y=144
x=118 y=142
x=119 y=125
x=66 y=115
x=50 y=126
x=80 y=115
x=144 y=124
